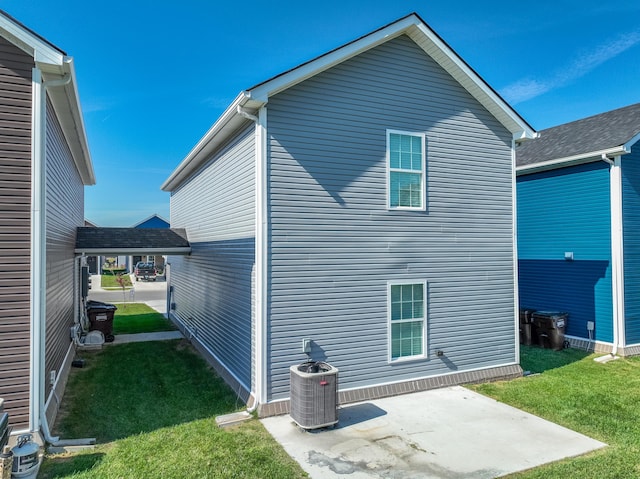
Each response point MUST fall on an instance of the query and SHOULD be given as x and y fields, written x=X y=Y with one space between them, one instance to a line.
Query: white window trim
x=422 y=171
x=424 y=322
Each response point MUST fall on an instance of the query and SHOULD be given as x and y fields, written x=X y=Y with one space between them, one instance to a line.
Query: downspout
x=617 y=254
x=514 y=226
x=261 y=228
x=38 y=415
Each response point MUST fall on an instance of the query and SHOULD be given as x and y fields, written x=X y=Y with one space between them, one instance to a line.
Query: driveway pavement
x=152 y=293
x=444 y=433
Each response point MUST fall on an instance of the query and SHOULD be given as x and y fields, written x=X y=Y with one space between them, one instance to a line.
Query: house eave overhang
x=228 y=123
x=55 y=64
x=411 y=25
x=578 y=159
x=132 y=251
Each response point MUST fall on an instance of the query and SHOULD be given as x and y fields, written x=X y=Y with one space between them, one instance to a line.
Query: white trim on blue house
x=617 y=254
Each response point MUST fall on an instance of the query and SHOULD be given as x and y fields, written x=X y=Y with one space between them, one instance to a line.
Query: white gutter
x=573 y=160
x=617 y=255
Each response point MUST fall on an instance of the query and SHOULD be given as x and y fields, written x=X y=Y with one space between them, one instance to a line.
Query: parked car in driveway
x=145 y=271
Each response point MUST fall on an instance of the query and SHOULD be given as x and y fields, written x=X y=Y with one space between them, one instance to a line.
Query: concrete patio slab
x=443 y=433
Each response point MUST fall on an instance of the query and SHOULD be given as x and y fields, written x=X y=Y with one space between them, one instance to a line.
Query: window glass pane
x=396 y=311
x=416 y=144
x=416 y=161
x=396 y=292
x=407 y=292
x=406 y=339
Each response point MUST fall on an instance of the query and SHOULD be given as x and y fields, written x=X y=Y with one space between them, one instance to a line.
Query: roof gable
x=412 y=26
x=610 y=133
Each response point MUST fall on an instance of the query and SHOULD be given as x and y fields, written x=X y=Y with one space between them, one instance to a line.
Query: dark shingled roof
x=593 y=134
x=132 y=240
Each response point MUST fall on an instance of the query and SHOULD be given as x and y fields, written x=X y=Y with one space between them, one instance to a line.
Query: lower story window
x=407 y=317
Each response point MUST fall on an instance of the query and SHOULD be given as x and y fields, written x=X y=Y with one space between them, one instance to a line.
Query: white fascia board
x=629 y=144
x=263 y=91
x=132 y=251
x=437 y=49
x=40 y=50
x=66 y=102
x=571 y=160
x=431 y=43
x=217 y=134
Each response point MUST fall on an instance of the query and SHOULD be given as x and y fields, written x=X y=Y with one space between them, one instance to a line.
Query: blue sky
x=153 y=76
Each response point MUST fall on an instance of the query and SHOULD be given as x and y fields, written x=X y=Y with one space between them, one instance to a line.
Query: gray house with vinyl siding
x=364 y=201
x=44 y=166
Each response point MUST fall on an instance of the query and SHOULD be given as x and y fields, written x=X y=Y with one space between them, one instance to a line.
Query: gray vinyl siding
x=65 y=213
x=15 y=236
x=631 y=230
x=334 y=246
x=212 y=288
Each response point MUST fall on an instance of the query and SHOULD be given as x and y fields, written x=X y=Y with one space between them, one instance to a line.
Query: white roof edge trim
x=627 y=146
x=328 y=60
x=570 y=160
x=521 y=129
x=82 y=147
x=29 y=43
x=131 y=251
x=188 y=164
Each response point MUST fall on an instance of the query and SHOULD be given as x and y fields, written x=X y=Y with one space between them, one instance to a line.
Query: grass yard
x=152 y=408
x=131 y=318
x=601 y=401
x=110 y=281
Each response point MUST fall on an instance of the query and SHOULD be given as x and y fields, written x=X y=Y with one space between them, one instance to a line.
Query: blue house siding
x=567 y=210
x=153 y=222
x=631 y=227
x=334 y=245
x=212 y=287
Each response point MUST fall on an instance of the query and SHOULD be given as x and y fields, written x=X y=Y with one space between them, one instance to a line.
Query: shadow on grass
x=538 y=360
x=61 y=466
x=132 y=318
x=136 y=388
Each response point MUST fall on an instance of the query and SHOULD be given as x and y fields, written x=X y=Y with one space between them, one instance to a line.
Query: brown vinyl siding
x=65 y=212
x=15 y=221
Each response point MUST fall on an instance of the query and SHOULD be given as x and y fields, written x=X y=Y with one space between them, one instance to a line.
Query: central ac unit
x=314 y=394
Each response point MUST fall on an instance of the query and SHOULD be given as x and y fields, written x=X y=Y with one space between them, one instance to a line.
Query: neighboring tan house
x=578 y=223
x=44 y=167
x=363 y=201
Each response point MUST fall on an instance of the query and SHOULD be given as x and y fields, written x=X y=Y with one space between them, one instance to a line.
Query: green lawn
x=133 y=318
x=601 y=401
x=110 y=281
x=152 y=408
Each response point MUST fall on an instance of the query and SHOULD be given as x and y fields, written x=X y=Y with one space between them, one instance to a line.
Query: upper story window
x=405 y=170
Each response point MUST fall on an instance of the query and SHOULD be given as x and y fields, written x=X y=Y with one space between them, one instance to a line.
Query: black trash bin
x=550 y=328
x=527 y=332
x=101 y=318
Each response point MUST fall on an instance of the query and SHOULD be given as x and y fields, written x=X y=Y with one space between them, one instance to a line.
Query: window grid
x=407 y=319
x=406 y=170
